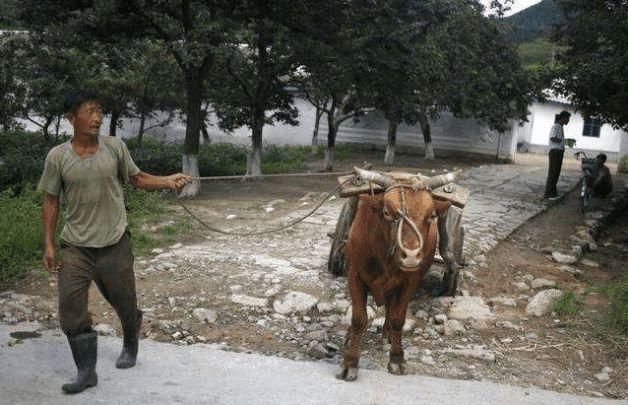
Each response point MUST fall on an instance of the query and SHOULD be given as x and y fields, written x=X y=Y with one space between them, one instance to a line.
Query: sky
x=517 y=6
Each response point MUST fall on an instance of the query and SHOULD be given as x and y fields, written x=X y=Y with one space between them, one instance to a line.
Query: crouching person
x=89 y=172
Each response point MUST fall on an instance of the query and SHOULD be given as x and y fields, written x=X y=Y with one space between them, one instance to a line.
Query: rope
x=264 y=176
x=288 y=225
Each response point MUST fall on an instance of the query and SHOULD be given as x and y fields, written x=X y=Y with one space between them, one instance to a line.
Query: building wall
x=535 y=134
x=448 y=133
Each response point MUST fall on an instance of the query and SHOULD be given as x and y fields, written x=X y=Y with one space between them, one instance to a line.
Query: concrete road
x=32 y=371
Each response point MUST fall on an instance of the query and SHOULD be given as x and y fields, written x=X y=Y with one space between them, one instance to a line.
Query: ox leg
x=451 y=235
x=396 y=318
x=359 y=320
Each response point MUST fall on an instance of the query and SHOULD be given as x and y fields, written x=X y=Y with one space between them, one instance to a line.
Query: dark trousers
x=111 y=267
x=553 y=173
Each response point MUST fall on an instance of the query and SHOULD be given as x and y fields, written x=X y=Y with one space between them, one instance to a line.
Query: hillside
x=534 y=22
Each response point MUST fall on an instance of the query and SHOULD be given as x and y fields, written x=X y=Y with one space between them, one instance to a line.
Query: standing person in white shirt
x=557 y=150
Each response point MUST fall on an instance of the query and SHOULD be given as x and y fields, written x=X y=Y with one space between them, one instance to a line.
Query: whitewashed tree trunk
x=429 y=151
x=329 y=158
x=389 y=159
x=254 y=162
x=190 y=166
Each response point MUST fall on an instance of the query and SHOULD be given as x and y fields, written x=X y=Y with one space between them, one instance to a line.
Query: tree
x=481 y=77
x=190 y=30
x=252 y=73
x=329 y=53
x=593 y=69
x=11 y=88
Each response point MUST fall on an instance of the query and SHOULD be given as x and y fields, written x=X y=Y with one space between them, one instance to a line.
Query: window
x=592 y=127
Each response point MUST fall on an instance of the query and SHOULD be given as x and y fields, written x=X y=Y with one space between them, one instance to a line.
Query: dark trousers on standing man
x=553 y=173
x=111 y=268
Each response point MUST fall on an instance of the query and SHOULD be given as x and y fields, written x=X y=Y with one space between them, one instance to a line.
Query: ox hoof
x=348 y=374
x=396 y=368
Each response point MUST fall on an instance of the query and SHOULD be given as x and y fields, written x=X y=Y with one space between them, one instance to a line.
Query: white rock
x=294 y=302
x=470 y=307
x=607 y=370
x=248 y=301
x=205 y=315
x=602 y=377
x=104 y=329
x=421 y=314
x=505 y=301
x=476 y=353
x=542 y=302
x=318 y=335
x=232 y=216
x=542 y=283
x=453 y=327
x=176 y=246
x=157 y=251
x=409 y=325
x=235 y=288
x=269 y=209
x=528 y=278
x=440 y=318
x=427 y=360
x=507 y=325
x=520 y=285
x=563 y=258
x=589 y=263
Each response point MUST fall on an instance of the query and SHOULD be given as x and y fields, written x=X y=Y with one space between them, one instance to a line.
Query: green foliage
x=618 y=310
x=21 y=247
x=568 y=304
x=22 y=156
x=593 y=68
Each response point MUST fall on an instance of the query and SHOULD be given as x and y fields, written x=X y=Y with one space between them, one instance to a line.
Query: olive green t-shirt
x=92 y=190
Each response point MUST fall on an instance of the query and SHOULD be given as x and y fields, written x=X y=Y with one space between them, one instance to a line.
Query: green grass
x=623 y=164
x=617 y=316
x=535 y=54
x=568 y=304
x=21 y=234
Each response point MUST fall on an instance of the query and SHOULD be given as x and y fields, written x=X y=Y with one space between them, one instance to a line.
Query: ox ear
x=441 y=207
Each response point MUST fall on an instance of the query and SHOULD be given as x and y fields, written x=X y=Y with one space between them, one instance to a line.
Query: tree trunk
x=331 y=145
x=319 y=114
x=254 y=159
x=140 y=132
x=427 y=135
x=392 y=143
x=204 y=133
x=46 y=125
x=194 y=92
x=57 y=127
x=113 y=124
x=190 y=166
x=499 y=146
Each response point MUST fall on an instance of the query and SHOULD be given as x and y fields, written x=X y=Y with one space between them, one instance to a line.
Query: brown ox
x=390 y=247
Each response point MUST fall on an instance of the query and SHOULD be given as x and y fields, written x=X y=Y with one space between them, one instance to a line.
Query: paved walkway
x=32 y=372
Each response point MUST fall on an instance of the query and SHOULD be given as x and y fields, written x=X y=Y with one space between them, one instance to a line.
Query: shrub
x=22 y=156
x=21 y=246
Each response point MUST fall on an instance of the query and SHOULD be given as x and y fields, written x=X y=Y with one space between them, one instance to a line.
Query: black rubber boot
x=84 y=351
x=130 y=345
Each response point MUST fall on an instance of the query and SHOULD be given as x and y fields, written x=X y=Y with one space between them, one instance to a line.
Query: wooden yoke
x=458 y=195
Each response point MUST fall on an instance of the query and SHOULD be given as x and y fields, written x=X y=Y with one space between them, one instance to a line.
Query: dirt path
x=272 y=295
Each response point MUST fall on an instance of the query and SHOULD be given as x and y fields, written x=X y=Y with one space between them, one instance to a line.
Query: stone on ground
x=542 y=302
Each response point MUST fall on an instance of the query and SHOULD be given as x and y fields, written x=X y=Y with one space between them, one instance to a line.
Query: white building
x=591 y=134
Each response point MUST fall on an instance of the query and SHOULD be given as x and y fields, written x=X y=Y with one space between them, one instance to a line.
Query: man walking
x=557 y=150
x=89 y=171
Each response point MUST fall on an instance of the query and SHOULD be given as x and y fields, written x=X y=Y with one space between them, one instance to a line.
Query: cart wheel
x=337 y=264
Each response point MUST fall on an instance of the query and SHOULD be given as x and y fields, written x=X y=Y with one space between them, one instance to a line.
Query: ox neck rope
x=396 y=229
x=266 y=231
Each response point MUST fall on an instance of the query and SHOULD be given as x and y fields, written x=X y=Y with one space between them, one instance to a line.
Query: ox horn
x=376 y=177
x=434 y=182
